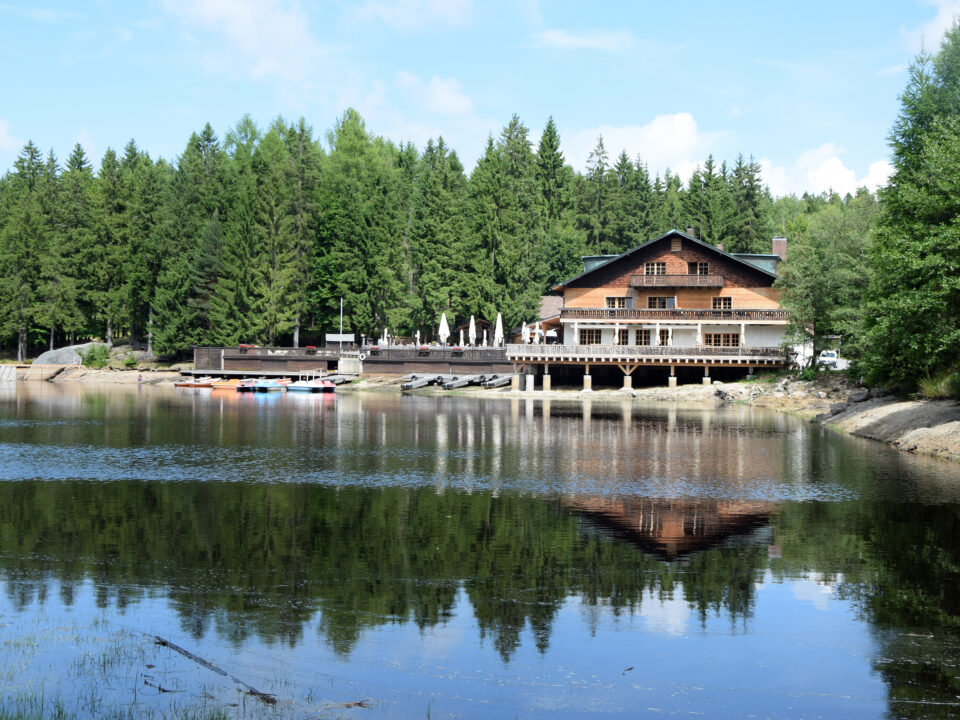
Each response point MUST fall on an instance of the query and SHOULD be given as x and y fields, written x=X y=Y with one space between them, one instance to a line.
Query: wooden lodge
x=672 y=302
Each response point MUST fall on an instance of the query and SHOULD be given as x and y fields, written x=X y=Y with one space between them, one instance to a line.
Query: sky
x=810 y=90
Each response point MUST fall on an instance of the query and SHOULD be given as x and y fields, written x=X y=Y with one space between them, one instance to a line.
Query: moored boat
x=203 y=382
x=314 y=386
x=270 y=385
x=229 y=384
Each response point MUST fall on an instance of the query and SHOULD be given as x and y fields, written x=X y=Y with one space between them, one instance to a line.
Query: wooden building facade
x=674 y=301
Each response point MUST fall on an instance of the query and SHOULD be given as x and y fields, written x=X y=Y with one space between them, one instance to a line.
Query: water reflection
x=338 y=518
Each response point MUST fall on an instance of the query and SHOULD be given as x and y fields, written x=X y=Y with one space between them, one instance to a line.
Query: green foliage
x=130 y=360
x=809 y=373
x=252 y=238
x=912 y=322
x=943 y=385
x=96 y=356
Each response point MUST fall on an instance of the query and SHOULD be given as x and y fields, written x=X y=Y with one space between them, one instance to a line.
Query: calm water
x=444 y=557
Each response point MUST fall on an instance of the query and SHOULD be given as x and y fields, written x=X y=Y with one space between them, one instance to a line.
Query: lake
x=368 y=555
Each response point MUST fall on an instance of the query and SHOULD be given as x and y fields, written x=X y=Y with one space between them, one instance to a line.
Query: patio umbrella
x=418 y=337
x=498 y=331
x=484 y=337
x=524 y=334
x=473 y=331
x=444 y=331
x=461 y=337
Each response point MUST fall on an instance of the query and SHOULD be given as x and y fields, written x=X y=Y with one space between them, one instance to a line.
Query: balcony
x=676 y=281
x=674 y=314
x=646 y=355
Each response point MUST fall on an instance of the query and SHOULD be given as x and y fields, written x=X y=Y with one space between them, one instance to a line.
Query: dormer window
x=655 y=268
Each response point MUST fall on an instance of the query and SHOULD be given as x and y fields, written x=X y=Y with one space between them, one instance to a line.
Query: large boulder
x=69 y=355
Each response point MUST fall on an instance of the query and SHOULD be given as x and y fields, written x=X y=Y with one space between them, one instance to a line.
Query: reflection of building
x=676 y=527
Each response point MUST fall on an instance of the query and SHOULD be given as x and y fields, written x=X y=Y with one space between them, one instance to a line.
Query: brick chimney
x=690 y=232
x=720 y=247
x=780 y=247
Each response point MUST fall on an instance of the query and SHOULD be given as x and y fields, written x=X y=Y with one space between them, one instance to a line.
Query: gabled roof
x=737 y=258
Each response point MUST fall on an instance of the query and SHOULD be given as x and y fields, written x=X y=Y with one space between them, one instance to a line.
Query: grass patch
x=943 y=386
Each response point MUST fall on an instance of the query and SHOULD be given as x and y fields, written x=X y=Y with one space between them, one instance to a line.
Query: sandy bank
x=59 y=374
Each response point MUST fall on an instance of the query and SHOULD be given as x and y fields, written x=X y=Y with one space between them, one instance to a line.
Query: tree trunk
x=296 y=332
x=109 y=333
x=50 y=347
x=73 y=337
x=150 y=331
x=22 y=345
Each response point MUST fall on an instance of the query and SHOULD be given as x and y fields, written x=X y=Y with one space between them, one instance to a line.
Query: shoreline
x=923 y=427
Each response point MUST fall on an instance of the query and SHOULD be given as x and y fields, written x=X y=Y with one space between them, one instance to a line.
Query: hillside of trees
x=256 y=236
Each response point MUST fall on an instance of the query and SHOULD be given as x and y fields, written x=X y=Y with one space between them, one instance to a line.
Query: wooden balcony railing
x=626 y=352
x=614 y=314
x=676 y=281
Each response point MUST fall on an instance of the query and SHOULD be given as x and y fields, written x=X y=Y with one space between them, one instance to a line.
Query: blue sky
x=809 y=89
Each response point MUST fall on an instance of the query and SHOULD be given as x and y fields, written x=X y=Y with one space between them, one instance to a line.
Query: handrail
x=549 y=351
x=671 y=281
x=669 y=314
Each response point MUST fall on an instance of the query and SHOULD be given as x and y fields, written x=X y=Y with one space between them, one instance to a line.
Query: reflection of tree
x=259 y=559
x=899 y=562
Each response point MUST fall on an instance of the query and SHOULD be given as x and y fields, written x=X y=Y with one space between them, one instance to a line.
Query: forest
x=256 y=236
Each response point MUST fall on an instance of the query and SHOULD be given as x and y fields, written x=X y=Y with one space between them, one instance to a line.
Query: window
x=722 y=303
x=616 y=302
x=722 y=339
x=664 y=337
x=675 y=245
x=622 y=338
x=698 y=268
x=655 y=268
x=660 y=303
x=642 y=337
x=590 y=336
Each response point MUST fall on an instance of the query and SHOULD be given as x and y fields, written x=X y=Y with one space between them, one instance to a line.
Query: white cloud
x=441 y=95
x=409 y=14
x=892 y=70
x=8 y=142
x=266 y=38
x=930 y=35
x=610 y=41
x=821 y=170
x=668 y=141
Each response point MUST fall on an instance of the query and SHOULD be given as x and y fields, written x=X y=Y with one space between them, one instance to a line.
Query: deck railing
x=615 y=314
x=434 y=352
x=676 y=281
x=641 y=351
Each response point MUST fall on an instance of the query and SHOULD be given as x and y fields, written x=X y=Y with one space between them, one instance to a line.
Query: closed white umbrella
x=524 y=334
x=473 y=331
x=461 y=337
x=418 y=337
x=498 y=331
x=484 y=337
x=444 y=331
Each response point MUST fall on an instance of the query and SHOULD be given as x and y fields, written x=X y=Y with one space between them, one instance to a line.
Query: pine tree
x=22 y=240
x=912 y=320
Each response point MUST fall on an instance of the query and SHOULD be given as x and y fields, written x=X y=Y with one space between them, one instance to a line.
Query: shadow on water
x=267 y=519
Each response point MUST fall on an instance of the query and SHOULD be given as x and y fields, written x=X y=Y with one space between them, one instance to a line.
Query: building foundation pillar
x=546 y=381
x=528 y=384
x=515 y=382
x=627 y=382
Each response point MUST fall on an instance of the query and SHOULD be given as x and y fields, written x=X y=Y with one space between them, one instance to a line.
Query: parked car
x=828 y=358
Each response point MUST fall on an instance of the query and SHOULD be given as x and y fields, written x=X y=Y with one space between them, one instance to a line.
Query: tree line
x=257 y=236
